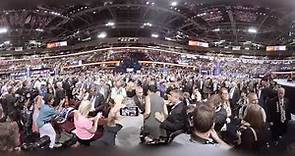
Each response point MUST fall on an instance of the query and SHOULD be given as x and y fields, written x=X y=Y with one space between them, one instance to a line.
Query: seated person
x=203 y=130
x=86 y=127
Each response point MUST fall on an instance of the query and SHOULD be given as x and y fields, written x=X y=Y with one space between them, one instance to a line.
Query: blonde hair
x=84 y=107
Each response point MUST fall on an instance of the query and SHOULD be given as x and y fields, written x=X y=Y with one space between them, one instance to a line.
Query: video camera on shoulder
x=129 y=111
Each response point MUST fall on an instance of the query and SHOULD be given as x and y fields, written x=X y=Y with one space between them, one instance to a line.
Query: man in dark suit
x=267 y=93
x=67 y=86
x=234 y=95
x=177 y=118
x=96 y=99
x=279 y=114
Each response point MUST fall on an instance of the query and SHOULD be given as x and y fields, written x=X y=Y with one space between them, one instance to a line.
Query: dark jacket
x=254 y=140
x=275 y=116
x=8 y=105
x=177 y=119
x=98 y=103
x=220 y=119
x=109 y=135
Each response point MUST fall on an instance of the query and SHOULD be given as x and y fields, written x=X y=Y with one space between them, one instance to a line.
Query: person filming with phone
x=128 y=115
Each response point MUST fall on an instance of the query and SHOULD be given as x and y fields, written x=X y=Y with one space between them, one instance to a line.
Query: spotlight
x=102 y=35
x=40 y=30
x=3 y=30
x=252 y=30
x=148 y=24
x=174 y=3
x=216 y=30
x=155 y=35
x=110 y=24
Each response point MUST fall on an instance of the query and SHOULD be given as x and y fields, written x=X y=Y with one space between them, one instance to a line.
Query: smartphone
x=129 y=111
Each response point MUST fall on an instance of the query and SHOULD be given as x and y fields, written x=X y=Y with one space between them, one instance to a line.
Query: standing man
x=177 y=118
x=279 y=114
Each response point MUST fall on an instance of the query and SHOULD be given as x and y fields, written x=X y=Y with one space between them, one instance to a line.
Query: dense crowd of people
x=227 y=66
x=94 y=107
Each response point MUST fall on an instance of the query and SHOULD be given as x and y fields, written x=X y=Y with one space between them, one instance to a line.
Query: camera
x=129 y=111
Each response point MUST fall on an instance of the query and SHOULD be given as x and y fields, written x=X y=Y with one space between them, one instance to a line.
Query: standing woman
x=46 y=115
x=38 y=102
x=86 y=127
x=154 y=104
x=252 y=132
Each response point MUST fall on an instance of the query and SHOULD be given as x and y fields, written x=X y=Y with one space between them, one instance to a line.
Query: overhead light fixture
x=148 y=24
x=216 y=30
x=3 y=30
x=102 y=35
x=7 y=42
x=252 y=30
x=39 y=30
x=110 y=24
x=155 y=35
x=174 y=3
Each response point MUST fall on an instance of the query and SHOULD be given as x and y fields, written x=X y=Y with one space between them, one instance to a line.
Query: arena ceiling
x=236 y=21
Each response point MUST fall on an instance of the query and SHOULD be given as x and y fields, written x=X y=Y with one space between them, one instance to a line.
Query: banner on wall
x=276 y=48
x=57 y=44
x=199 y=44
x=33 y=73
x=236 y=47
x=18 y=49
